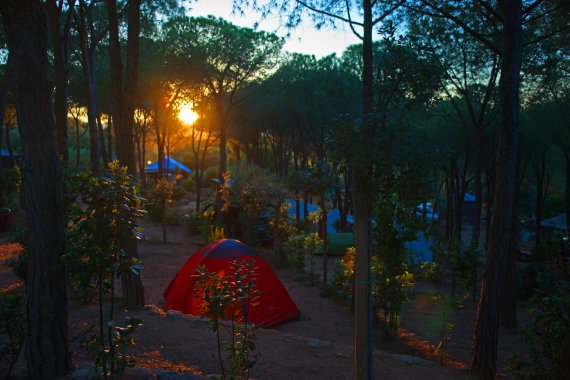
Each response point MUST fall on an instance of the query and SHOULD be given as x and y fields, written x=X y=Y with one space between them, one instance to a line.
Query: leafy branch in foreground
x=96 y=256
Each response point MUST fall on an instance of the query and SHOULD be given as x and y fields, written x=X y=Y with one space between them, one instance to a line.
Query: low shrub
x=12 y=329
x=548 y=334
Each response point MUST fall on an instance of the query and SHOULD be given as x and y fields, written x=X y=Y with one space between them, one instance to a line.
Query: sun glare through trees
x=187 y=115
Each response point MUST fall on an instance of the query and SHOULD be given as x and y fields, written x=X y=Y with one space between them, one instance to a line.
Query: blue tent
x=169 y=165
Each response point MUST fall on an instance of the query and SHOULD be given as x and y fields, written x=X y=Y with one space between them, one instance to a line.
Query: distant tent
x=469 y=206
x=274 y=304
x=334 y=215
x=291 y=211
x=420 y=249
x=169 y=165
x=556 y=223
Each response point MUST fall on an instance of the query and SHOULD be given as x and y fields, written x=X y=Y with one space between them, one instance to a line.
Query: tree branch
x=490 y=9
x=325 y=13
x=350 y=21
x=546 y=36
x=531 y=7
x=388 y=12
x=441 y=13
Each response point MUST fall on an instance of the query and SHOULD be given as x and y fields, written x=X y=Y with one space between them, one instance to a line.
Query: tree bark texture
x=499 y=253
x=47 y=348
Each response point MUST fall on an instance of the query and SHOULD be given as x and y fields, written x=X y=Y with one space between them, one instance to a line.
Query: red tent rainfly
x=272 y=306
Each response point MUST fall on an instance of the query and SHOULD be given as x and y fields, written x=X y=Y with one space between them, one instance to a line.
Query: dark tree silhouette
x=47 y=349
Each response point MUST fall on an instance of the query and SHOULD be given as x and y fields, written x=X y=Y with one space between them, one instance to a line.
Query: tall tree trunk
x=116 y=70
x=77 y=142
x=101 y=134
x=87 y=60
x=59 y=39
x=7 y=129
x=110 y=127
x=567 y=161
x=362 y=201
x=47 y=348
x=478 y=188
x=131 y=81
x=122 y=110
x=539 y=176
x=223 y=156
x=3 y=93
x=499 y=254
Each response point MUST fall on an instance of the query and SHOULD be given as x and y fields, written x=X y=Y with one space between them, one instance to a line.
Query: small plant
x=96 y=256
x=295 y=251
x=389 y=291
x=228 y=298
x=446 y=307
x=12 y=328
x=312 y=243
x=548 y=334
x=216 y=233
x=430 y=271
x=301 y=248
x=159 y=197
x=10 y=183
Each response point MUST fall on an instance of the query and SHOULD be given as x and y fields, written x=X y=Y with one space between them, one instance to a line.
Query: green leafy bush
x=10 y=183
x=96 y=255
x=224 y=298
x=301 y=248
x=548 y=334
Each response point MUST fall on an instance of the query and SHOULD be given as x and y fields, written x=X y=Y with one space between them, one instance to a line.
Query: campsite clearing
x=318 y=345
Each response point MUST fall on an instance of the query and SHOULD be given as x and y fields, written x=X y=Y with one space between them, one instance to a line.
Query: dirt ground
x=318 y=345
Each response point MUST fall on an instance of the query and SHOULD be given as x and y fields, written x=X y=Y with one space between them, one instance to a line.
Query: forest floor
x=318 y=345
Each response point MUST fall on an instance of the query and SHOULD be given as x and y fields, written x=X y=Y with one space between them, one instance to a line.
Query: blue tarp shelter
x=419 y=249
x=556 y=223
x=169 y=165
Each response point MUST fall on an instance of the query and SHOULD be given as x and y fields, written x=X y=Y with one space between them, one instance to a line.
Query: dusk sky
x=305 y=39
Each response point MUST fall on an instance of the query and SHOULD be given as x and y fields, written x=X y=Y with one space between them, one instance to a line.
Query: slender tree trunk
x=143 y=160
x=133 y=291
x=478 y=188
x=7 y=129
x=3 y=92
x=87 y=59
x=47 y=348
x=223 y=156
x=539 y=205
x=116 y=70
x=567 y=161
x=77 y=142
x=324 y=237
x=101 y=134
x=110 y=126
x=60 y=62
x=131 y=81
x=362 y=201
x=500 y=248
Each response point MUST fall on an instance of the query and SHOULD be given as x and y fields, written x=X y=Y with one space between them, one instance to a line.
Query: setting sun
x=187 y=115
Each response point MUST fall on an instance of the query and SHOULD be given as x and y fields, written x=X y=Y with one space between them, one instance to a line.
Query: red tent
x=274 y=305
